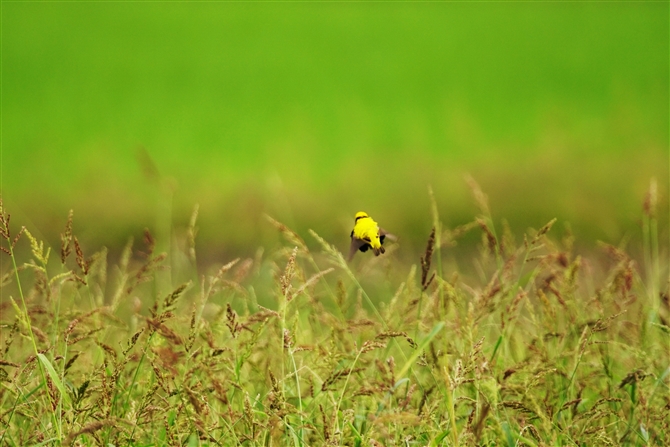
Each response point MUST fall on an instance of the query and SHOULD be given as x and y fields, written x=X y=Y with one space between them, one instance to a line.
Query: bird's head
x=360 y=215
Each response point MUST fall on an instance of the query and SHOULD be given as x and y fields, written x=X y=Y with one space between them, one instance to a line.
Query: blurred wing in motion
x=384 y=235
x=357 y=244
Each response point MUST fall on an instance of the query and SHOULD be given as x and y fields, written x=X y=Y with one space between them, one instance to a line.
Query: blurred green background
x=131 y=113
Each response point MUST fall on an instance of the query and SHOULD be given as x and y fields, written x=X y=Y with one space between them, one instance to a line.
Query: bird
x=365 y=235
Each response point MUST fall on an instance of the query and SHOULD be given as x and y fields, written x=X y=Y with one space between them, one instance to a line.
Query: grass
x=544 y=347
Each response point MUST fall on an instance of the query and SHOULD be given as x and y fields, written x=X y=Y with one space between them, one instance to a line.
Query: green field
x=311 y=112
x=214 y=156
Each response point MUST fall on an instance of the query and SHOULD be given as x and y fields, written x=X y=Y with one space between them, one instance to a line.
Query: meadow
x=518 y=151
x=295 y=346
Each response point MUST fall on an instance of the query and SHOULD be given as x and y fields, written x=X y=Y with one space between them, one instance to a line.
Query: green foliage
x=300 y=348
x=330 y=108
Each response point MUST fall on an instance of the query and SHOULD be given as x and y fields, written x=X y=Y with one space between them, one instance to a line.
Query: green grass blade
x=495 y=349
x=54 y=377
x=437 y=440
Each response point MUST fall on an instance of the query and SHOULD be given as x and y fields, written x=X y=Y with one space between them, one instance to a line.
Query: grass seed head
x=544 y=230
x=108 y=350
x=290 y=235
x=192 y=232
x=81 y=391
x=70 y=362
x=81 y=261
x=242 y=271
x=491 y=242
x=66 y=239
x=287 y=277
x=17 y=237
x=288 y=339
x=370 y=345
x=231 y=321
x=13 y=330
x=426 y=260
x=87 y=429
x=37 y=249
x=481 y=199
x=133 y=340
x=651 y=200
x=5 y=231
x=171 y=299
x=192 y=331
x=633 y=377
x=70 y=328
x=149 y=242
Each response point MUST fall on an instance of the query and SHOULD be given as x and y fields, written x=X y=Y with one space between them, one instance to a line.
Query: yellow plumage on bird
x=366 y=234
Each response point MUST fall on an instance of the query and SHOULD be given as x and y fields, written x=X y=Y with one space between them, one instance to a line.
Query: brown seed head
x=231 y=321
x=66 y=239
x=426 y=261
x=149 y=241
x=81 y=261
x=490 y=237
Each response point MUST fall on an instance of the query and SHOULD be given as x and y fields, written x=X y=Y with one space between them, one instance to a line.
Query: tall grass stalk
x=437 y=224
x=651 y=253
x=286 y=297
x=453 y=429
x=28 y=323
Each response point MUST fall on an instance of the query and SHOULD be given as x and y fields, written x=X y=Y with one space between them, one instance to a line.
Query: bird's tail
x=378 y=251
